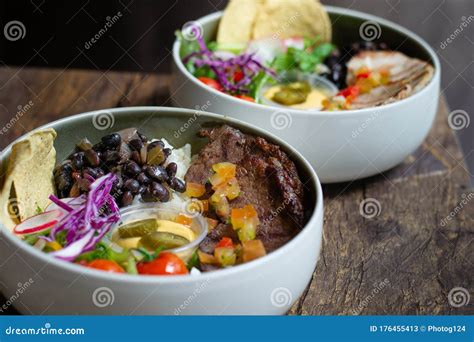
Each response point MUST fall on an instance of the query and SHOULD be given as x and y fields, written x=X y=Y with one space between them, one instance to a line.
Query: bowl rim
x=333 y=10
x=6 y=234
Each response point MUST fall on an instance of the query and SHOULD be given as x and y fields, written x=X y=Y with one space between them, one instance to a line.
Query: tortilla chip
x=238 y=20
x=292 y=18
x=29 y=177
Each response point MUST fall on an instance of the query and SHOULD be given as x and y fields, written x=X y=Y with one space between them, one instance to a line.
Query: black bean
x=75 y=191
x=132 y=185
x=99 y=147
x=159 y=191
x=77 y=160
x=63 y=182
x=127 y=198
x=157 y=172
x=142 y=189
x=83 y=184
x=91 y=172
x=118 y=183
x=143 y=179
x=132 y=169
x=147 y=195
x=92 y=157
x=84 y=144
x=177 y=184
x=112 y=140
x=155 y=143
x=155 y=156
x=136 y=144
x=171 y=169
x=142 y=136
x=124 y=152
x=111 y=157
x=135 y=156
x=100 y=172
x=65 y=166
x=167 y=152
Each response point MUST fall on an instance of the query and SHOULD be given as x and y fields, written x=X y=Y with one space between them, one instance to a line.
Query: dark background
x=57 y=31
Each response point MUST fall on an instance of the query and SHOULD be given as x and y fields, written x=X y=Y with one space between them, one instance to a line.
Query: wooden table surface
x=399 y=259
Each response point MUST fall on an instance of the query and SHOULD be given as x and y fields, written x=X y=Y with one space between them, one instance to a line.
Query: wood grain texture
x=403 y=260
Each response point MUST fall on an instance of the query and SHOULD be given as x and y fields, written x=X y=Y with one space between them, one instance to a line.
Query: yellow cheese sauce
x=148 y=232
x=314 y=99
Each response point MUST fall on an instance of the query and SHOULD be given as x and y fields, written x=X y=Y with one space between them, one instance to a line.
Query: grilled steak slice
x=268 y=180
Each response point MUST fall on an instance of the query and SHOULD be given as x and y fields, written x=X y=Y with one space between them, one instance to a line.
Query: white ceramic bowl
x=341 y=146
x=269 y=285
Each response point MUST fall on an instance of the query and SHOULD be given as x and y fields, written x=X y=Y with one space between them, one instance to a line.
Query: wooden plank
x=53 y=94
x=401 y=261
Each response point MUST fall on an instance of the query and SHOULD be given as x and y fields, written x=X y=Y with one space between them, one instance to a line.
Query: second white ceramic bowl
x=341 y=146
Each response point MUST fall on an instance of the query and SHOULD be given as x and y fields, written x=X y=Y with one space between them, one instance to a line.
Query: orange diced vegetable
x=205 y=258
x=232 y=188
x=245 y=221
x=183 y=219
x=195 y=189
x=221 y=205
x=223 y=172
x=239 y=217
x=225 y=168
x=229 y=188
x=225 y=242
x=252 y=249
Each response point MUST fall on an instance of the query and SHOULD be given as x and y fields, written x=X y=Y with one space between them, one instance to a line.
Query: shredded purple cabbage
x=224 y=69
x=86 y=223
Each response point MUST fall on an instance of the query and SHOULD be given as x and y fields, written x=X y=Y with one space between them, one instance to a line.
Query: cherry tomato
x=106 y=265
x=225 y=242
x=245 y=98
x=210 y=83
x=165 y=264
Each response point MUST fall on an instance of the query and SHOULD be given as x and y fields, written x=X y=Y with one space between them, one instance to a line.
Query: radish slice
x=39 y=223
x=295 y=42
x=70 y=252
x=266 y=49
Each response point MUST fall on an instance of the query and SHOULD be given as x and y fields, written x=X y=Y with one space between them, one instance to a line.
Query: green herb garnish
x=305 y=59
x=193 y=261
